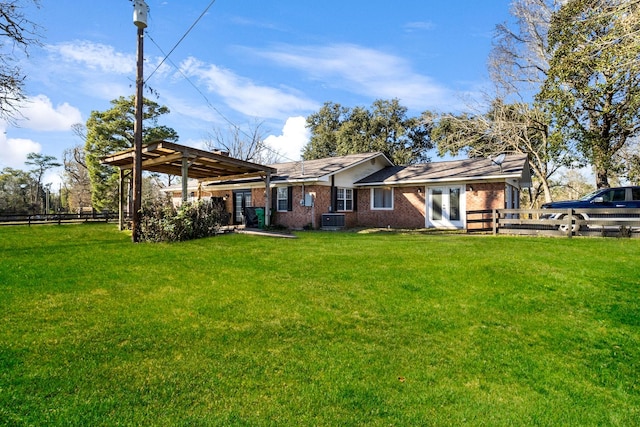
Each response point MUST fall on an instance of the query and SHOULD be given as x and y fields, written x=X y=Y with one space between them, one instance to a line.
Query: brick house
x=367 y=190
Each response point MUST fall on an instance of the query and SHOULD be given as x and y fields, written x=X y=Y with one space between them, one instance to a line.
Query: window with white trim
x=282 y=199
x=382 y=198
x=345 y=199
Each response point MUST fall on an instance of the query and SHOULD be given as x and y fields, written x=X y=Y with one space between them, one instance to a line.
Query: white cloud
x=365 y=71
x=40 y=114
x=98 y=70
x=13 y=151
x=95 y=56
x=244 y=95
x=294 y=137
x=54 y=178
x=419 y=26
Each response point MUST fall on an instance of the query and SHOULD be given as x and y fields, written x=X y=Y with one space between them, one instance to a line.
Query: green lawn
x=330 y=329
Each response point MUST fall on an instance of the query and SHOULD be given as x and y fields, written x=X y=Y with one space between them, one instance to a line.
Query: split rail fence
x=601 y=222
x=61 y=218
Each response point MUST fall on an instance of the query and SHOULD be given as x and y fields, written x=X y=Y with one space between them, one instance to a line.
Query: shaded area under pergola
x=187 y=162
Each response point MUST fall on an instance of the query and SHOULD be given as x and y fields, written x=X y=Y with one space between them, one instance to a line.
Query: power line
x=225 y=118
x=167 y=59
x=181 y=38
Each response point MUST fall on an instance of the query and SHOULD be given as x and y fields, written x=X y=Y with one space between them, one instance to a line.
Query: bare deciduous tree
x=519 y=60
x=506 y=128
x=246 y=145
x=76 y=178
x=16 y=33
x=510 y=122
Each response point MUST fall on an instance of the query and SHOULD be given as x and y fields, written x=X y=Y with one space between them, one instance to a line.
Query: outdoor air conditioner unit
x=333 y=220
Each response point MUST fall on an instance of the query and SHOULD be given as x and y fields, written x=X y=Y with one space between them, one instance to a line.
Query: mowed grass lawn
x=329 y=329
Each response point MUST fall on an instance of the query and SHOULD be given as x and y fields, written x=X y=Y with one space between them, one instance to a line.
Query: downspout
x=267 y=201
x=333 y=190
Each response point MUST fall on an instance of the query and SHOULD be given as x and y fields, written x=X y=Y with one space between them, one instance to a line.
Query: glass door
x=241 y=200
x=445 y=207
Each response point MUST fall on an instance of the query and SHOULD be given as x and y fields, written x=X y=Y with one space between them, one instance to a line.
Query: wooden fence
x=603 y=222
x=61 y=218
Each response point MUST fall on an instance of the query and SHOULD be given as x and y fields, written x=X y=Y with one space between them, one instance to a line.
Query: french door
x=446 y=207
x=241 y=200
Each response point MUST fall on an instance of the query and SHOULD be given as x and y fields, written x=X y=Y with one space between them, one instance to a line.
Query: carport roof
x=167 y=157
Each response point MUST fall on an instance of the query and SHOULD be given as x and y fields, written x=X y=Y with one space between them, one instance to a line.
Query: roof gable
x=309 y=170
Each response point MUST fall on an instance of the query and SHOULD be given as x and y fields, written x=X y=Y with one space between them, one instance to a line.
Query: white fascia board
x=322 y=179
x=440 y=180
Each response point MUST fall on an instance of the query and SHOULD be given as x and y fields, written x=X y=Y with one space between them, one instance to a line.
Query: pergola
x=187 y=162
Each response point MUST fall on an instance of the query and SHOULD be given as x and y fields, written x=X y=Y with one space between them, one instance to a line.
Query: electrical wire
x=166 y=58
x=181 y=39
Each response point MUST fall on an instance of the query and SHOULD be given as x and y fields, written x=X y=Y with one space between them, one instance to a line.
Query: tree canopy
x=593 y=83
x=111 y=131
x=40 y=163
x=17 y=192
x=385 y=127
x=567 y=80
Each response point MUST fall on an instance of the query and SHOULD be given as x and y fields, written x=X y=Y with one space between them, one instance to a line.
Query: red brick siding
x=408 y=209
x=408 y=202
x=484 y=196
x=301 y=216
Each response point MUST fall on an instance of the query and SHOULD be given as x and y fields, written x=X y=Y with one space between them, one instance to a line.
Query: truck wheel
x=574 y=227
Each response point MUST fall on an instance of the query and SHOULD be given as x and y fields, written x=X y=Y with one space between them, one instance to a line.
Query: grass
x=328 y=329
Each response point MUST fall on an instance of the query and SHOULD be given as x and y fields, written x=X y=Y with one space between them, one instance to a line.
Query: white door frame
x=445 y=220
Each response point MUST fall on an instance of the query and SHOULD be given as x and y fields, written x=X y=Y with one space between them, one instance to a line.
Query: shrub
x=160 y=221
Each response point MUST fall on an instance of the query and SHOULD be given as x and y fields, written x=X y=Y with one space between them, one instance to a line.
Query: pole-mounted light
x=140 y=10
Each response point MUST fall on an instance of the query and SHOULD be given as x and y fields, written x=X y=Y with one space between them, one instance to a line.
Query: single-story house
x=367 y=190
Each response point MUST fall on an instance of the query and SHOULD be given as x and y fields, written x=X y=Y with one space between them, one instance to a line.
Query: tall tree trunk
x=602 y=177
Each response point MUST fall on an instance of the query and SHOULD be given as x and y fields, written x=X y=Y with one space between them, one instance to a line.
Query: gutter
x=438 y=180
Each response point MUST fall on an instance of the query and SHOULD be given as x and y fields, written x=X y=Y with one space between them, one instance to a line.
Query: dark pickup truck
x=604 y=198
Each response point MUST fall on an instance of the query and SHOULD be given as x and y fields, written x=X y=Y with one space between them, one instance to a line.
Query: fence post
x=570 y=225
x=495 y=222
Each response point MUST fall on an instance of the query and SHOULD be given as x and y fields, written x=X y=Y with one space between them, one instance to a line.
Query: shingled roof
x=513 y=166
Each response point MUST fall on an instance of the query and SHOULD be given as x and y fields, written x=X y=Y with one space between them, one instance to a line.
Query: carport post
x=185 y=177
x=121 y=202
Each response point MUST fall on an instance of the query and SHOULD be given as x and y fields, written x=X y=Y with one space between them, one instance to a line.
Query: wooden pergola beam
x=187 y=162
x=232 y=177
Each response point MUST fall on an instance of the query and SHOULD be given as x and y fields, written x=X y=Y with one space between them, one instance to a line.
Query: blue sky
x=249 y=61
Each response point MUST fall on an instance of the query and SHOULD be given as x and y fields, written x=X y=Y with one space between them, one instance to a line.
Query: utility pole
x=140 y=10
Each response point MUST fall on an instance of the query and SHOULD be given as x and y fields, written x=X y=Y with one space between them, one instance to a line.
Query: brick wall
x=409 y=206
x=408 y=209
x=302 y=216
x=484 y=196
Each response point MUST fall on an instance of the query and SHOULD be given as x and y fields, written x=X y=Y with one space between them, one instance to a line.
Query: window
x=382 y=198
x=344 y=199
x=282 y=199
x=635 y=194
x=616 y=195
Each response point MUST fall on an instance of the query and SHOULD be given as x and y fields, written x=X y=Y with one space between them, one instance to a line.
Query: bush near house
x=162 y=222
